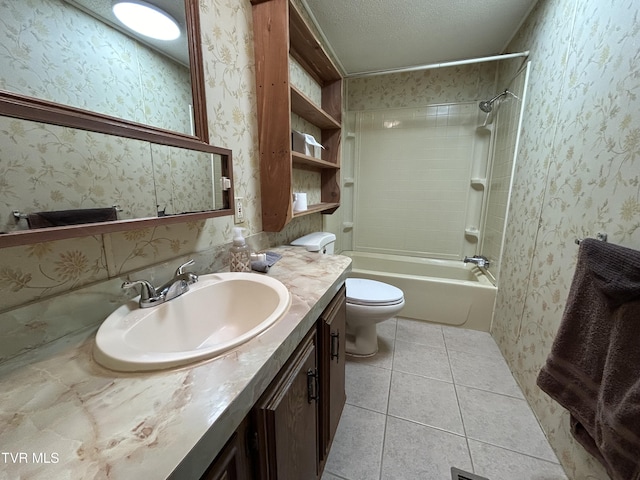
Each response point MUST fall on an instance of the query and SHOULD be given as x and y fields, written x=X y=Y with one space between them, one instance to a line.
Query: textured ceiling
x=372 y=35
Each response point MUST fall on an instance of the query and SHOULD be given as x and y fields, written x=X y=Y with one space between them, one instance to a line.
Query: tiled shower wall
x=505 y=122
x=412 y=174
x=393 y=92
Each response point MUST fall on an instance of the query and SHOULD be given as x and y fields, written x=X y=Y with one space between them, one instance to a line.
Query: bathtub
x=439 y=291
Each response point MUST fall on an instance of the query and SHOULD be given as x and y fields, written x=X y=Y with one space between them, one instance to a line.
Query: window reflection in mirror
x=59 y=52
x=186 y=181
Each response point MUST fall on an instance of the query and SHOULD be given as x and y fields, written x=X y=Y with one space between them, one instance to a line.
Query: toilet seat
x=362 y=291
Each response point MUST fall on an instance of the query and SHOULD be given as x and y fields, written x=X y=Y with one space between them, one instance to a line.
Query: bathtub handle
x=335 y=346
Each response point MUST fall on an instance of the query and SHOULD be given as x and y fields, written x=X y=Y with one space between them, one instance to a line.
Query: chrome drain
x=457 y=474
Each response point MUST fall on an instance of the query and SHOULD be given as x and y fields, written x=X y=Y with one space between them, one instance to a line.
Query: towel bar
x=600 y=236
x=21 y=216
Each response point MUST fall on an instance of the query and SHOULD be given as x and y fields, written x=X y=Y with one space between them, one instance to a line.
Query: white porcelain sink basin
x=218 y=313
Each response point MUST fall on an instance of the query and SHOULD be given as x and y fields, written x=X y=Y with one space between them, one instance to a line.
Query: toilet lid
x=361 y=291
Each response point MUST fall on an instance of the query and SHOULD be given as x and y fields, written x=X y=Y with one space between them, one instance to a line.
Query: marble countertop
x=64 y=416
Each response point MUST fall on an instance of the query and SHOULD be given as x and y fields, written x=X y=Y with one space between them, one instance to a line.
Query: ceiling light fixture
x=146 y=19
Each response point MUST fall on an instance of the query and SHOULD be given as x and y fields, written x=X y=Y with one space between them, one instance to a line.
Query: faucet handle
x=148 y=295
x=188 y=277
x=180 y=269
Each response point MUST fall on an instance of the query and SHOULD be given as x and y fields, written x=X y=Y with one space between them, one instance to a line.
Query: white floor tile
x=415 y=331
x=357 y=446
x=422 y=360
x=410 y=406
x=416 y=452
x=367 y=386
x=484 y=372
x=471 y=341
x=503 y=421
x=387 y=329
x=500 y=464
x=426 y=401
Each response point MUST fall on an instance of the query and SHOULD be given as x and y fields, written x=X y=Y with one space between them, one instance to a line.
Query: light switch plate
x=239 y=210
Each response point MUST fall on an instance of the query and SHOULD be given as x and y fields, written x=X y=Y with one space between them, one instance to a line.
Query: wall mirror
x=67 y=63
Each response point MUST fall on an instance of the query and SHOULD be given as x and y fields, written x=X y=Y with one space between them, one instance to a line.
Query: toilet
x=369 y=302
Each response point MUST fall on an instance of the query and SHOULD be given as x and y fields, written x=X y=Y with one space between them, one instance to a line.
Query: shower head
x=487 y=105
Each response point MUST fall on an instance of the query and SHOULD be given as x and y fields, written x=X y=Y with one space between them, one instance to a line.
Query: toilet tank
x=323 y=242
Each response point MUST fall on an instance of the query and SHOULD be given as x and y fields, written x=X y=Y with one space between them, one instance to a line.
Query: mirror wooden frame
x=37 y=110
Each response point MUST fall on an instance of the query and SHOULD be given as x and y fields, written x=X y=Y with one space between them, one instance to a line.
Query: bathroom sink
x=218 y=313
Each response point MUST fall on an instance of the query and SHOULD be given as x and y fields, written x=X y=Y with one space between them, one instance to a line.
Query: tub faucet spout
x=479 y=260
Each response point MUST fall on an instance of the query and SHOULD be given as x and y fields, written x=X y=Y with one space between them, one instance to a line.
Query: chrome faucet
x=179 y=284
x=479 y=260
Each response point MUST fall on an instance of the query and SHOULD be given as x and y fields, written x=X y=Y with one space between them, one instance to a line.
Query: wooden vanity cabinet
x=288 y=433
x=331 y=328
x=286 y=419
x=234 y=461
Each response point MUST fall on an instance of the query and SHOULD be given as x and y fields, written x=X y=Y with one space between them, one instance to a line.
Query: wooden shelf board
x=304 y=106
x=306 y=160
x=316 y=208
x=306 y=49
x=283 y=32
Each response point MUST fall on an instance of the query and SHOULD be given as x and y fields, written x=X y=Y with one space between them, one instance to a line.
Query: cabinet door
x=286 y=419
x=232 y=463
x=332 y=326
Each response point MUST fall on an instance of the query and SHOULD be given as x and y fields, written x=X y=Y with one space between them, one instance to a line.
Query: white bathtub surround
x=439 y=291
x=100 y=423
x=412 y=168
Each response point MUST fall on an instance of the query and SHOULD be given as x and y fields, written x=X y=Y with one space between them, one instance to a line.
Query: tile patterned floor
x=432 y=398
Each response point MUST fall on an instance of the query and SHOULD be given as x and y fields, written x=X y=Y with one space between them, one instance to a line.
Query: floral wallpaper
x=57 y=52
x=185 y=180
x=427 y=87
x=46 y=167
x=577 y=174
x=53 y=288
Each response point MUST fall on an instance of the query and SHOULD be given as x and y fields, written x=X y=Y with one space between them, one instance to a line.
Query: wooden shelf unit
x=280 y=30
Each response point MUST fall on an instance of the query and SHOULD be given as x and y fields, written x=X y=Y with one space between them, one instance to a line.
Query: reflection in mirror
x=51 y=168
x=56 y=51
x=46 y=168
x=186 y=181
x=74 y=156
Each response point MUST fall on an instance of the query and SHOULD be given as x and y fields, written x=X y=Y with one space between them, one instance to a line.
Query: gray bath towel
x=593 y=369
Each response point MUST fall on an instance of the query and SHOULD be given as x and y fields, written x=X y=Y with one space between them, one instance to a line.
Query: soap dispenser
x=239 y=253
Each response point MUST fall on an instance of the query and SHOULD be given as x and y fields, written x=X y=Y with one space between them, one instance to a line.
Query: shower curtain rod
x=439 y=65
